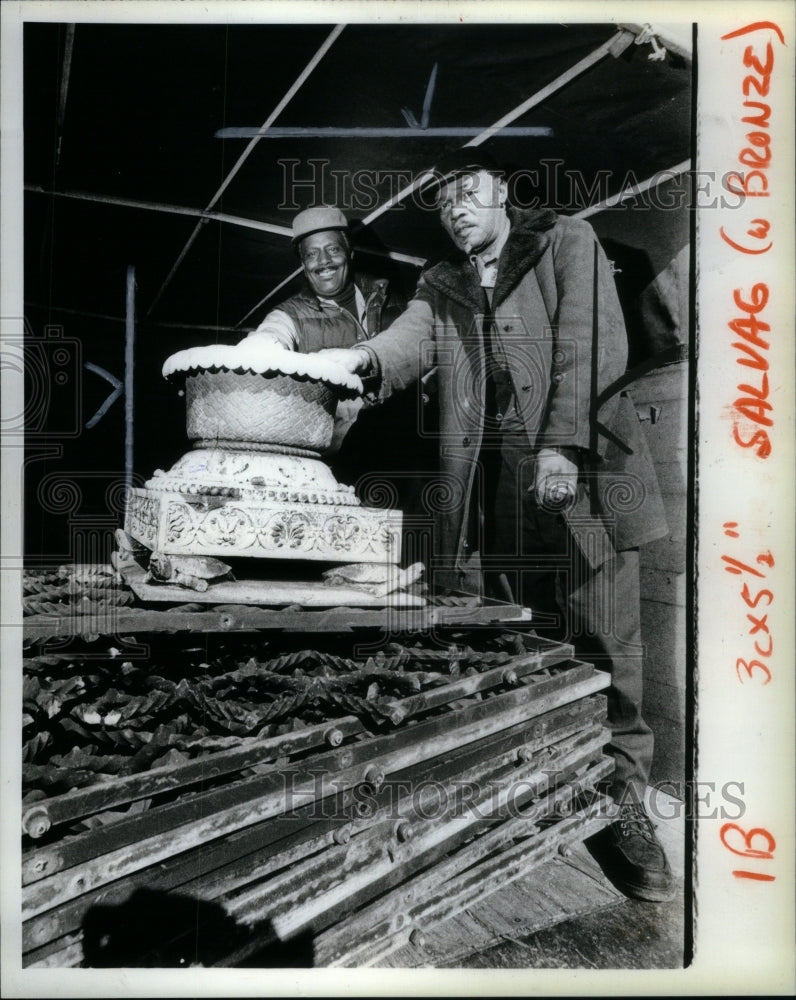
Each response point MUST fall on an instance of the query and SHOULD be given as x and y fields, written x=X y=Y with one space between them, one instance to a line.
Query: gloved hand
x=354 y=360
x=556 y=482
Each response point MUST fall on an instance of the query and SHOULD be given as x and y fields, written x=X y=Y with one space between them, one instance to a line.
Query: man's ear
x=503 y=192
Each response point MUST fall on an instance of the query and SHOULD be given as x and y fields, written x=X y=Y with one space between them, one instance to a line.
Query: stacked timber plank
x=227 y=803
x=92 y=599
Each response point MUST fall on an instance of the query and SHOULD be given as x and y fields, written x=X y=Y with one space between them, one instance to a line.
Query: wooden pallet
x=122 y=621
x=279 y=839
x=564 y=888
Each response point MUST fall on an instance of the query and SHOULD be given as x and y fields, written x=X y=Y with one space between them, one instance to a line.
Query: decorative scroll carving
x=143 y=518
x=283 y=530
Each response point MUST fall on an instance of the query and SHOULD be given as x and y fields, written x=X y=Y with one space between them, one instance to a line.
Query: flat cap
x=317 y=220
x=468 y=160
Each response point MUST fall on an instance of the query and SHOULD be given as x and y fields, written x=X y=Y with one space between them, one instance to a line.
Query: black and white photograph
x=365 y=510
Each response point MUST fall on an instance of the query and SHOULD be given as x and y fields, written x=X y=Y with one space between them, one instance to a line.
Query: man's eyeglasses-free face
x=313 y=254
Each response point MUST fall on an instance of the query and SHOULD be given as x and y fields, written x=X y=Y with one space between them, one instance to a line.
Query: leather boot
x=632 y=857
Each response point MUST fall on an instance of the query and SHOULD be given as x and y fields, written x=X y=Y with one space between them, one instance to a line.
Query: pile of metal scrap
x=390 y=790
x=80 y=589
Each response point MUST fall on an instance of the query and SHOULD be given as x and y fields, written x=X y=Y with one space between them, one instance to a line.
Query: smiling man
x=552 y=484
x=340 y=307
x=335 y=308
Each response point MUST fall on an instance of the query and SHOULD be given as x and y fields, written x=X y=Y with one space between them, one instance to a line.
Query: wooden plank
x=574 y=884
x=66 y=953
x=511 y=902
x=241 y=618
x=669 y=553
x=542 y=908
x=663 y=634
x=496 y=913
x=547 y=895
x=278 y=593
x=444 y=939
x=667 y=701
x=659 y=585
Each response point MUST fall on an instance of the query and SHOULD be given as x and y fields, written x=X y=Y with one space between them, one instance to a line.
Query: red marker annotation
x=731 y=834
x=755 y=600
x=753 y=406
x=756 y=154
x=753 y=410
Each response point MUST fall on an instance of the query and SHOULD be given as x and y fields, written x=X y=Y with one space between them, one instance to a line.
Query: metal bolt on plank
x=374 y=776
x=36 y=822
x=417 y=938
x=290 y=902
x=342 y=835
x=404 y=831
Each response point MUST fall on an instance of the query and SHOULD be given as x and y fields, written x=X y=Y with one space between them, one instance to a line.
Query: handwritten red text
x=753 y=406
x=756 y=844
x=756 y=599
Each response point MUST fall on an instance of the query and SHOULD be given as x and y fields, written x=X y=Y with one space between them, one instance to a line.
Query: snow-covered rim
x=262 y=359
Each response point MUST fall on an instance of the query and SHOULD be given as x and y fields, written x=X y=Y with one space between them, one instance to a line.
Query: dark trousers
x=530 y=556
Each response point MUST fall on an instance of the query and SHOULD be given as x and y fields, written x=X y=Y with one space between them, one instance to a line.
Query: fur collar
x=528 y=239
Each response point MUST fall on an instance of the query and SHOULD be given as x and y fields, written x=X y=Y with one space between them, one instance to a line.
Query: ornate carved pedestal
x=254 y=485
x=179 y=524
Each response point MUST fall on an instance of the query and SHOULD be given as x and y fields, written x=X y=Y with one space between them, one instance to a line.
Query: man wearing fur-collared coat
x=550 y=485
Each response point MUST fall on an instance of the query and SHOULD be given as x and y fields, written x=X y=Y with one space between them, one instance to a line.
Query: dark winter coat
x=544 y=304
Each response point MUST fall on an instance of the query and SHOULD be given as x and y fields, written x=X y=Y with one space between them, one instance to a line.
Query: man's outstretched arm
x=400 y=354
x=276 y=328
